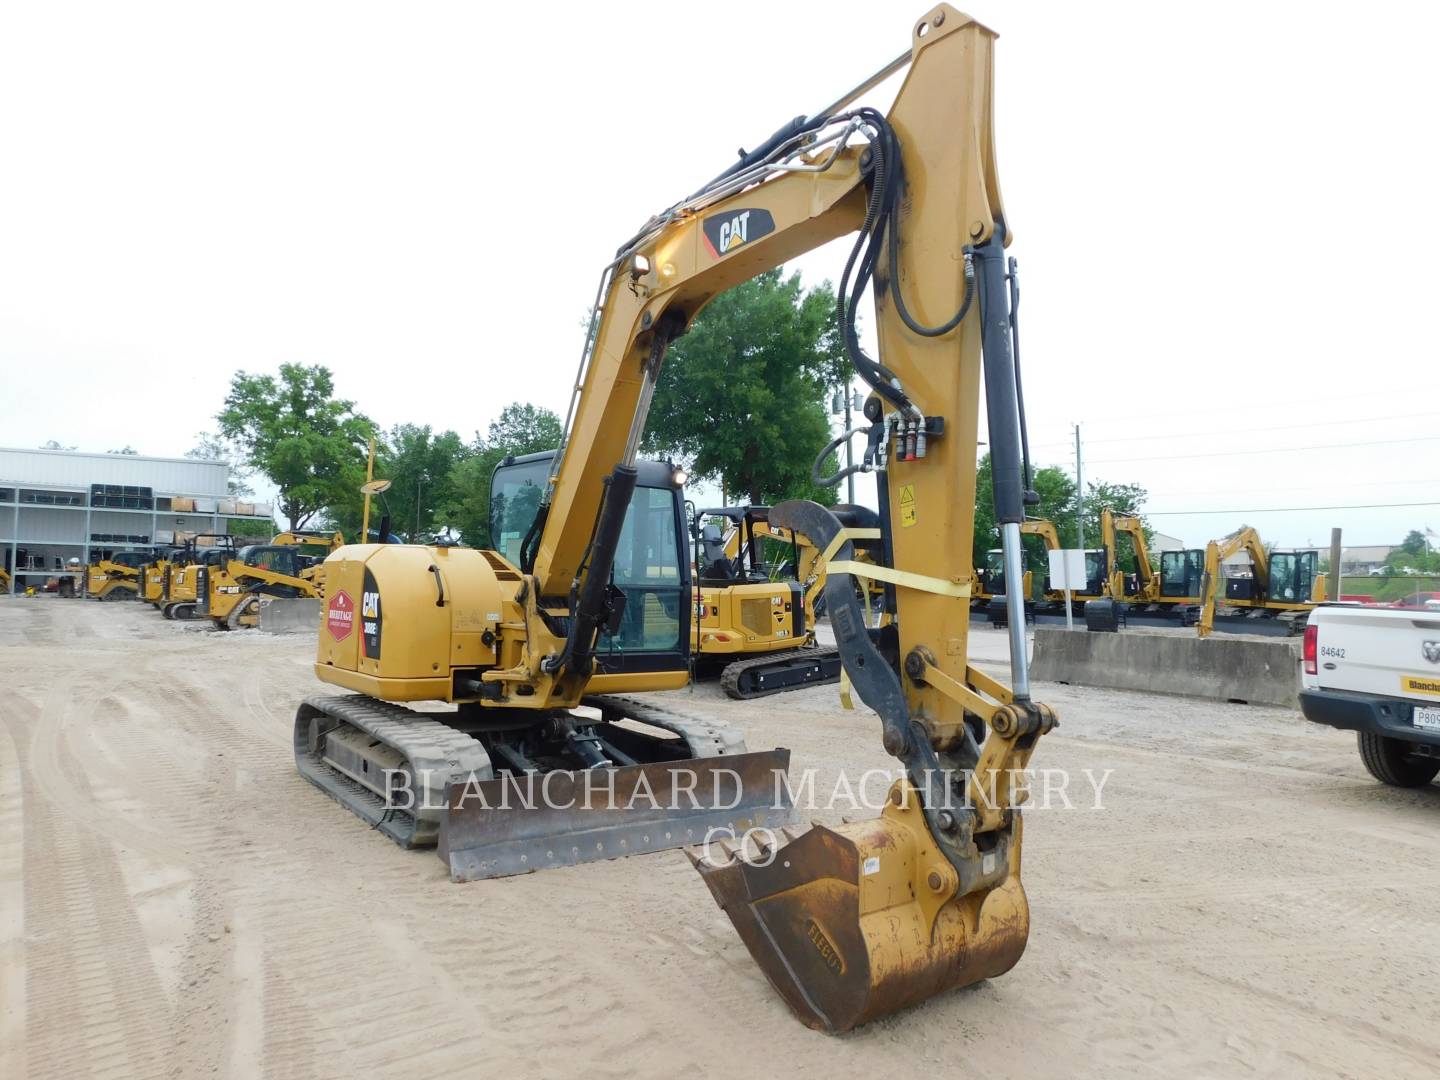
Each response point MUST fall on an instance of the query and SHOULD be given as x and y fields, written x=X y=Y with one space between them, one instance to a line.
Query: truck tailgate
x=1391 y=652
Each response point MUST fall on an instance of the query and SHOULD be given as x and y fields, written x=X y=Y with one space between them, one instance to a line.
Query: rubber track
x=435 y=752
x=730 y=676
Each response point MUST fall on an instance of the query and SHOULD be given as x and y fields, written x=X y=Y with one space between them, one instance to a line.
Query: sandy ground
x=175 y=901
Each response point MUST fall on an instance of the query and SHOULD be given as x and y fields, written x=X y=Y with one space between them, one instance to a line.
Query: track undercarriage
x=507 y=791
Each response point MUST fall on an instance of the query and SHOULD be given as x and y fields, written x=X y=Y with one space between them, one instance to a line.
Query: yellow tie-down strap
x=904 y=578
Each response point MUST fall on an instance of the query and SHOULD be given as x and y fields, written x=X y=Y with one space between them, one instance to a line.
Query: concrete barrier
x=280 y=615
x=1255 y=670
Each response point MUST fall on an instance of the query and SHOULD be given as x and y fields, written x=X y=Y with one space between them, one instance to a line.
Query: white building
x=60 y=509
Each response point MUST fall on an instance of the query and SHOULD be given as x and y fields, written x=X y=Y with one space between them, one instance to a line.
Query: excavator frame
x=852 y=922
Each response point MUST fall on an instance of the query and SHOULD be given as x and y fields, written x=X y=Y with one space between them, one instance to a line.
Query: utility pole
x=1079 y=492
x=419 y=486
x=1335 y=550
x=835 y=410
x=369 y=478
x=849 y=445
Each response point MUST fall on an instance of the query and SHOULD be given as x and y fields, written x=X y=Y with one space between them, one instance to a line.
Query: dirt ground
x=176 y=902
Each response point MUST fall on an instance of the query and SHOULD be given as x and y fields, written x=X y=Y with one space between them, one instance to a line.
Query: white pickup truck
x=1376 y=671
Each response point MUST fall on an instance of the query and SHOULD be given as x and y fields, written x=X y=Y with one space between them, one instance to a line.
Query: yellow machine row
x=532 y=648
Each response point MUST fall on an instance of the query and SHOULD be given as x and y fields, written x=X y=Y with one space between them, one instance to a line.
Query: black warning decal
x=735 y=228
x=370 y=622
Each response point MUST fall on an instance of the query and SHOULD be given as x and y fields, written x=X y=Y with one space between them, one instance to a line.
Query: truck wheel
x=1391 y=762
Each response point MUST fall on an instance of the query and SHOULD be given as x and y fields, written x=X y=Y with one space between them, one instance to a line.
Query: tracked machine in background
x=182 y=595
x=755 y=630
x=231 y=586
x=1284 y=584
x=116 y=577
x=848 y=923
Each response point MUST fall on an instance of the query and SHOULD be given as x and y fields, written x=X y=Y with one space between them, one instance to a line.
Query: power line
x=1232 y=431
x=1289 y=489
x=1284 y=509
x=1267 y=450
x=1270 y=407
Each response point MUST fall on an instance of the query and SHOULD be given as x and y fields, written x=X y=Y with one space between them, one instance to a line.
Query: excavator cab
x=1180 y=573
x=1292 y=576
x=650 y=629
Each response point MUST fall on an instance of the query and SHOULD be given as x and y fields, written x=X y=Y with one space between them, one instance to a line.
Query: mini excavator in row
x=537 y=646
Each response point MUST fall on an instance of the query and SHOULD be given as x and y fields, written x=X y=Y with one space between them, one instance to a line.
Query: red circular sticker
x=340 y=615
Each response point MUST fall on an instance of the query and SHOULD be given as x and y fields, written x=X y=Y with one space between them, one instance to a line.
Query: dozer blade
x=855 y=922
x=519 y=823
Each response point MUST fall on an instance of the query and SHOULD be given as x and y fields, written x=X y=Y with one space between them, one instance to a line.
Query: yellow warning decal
x=907 y=505
x=1418 y=684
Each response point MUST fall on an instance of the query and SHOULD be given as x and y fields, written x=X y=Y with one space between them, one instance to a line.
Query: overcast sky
x=1225 y=216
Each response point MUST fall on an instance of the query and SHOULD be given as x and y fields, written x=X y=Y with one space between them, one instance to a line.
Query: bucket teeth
x=792 y=832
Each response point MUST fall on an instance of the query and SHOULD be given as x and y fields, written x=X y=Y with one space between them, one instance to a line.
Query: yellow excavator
x=1144 y=586
x=758 y=633
x=1283 y=583
x=532 y=652
x=116 y=577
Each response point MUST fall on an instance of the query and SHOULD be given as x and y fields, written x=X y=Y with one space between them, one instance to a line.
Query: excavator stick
x=855 y=922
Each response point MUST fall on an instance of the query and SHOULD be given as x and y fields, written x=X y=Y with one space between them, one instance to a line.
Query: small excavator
x=757 y=631
x=533 y=657
x=1172 y=586
x=1143 y=587
x=116 y=577
x=1287 y=584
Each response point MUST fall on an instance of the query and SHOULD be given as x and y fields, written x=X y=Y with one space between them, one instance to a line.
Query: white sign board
x=1067 y=569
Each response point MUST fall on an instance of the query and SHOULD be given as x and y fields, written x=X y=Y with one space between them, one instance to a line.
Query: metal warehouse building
x=60 y=509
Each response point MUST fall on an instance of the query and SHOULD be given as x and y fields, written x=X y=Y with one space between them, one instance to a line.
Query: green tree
x=1056 y=489
x=741 y=398
x=418 y=463
x=1057 y=504
x=421 y=466
x=294 y=430
x=519 y=429
x=1414 y=543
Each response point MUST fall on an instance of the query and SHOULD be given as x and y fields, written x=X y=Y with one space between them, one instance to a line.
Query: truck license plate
x=1427 y=719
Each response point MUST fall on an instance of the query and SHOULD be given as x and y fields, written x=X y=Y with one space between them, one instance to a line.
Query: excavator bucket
x=518 y=823
x=855 y=922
